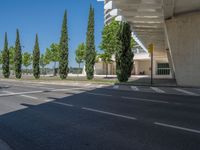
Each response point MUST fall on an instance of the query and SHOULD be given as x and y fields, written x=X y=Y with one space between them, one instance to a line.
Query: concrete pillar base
x=184 y=42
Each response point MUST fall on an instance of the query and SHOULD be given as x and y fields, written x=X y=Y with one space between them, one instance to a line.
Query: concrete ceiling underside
x=147 y=17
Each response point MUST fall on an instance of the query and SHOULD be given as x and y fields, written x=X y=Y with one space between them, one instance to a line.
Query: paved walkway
x=147 y=81
x=160 y=90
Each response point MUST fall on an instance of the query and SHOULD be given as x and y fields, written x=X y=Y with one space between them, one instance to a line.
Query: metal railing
x=163 y=71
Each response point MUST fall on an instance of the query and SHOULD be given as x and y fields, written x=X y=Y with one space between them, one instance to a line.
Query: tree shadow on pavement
x=63 y=124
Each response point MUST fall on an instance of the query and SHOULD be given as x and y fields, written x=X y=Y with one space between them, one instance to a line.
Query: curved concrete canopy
x=178 y=7
x=147 y=16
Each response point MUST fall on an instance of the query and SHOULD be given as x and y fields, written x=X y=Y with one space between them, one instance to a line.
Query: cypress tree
x=5 y=58
x=36 y=59
x=63 y=62
x=90 y=54
x=18 y=57
x=124 y=54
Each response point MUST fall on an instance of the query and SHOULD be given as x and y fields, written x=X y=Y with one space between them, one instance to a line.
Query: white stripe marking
x=27 y=96
x=157 y=90
x=57 y=90
x=64 y=104
x=134 y=88
x=116 y=87
x=21 y=93
x=49 y=100
x=47 y=88
x=186 y=92
x=97 y=94
x=177 y=127
x=146 y=100
x=108 y=113
x=34 y=92
x=36 y=84
x=32 y=86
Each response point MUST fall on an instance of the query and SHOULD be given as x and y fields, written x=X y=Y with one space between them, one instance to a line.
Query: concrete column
x=171 y=64
x=136 y=66
x=184 y=44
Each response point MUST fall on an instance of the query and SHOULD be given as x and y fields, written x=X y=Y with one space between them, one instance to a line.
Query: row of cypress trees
x=63 y=60
x=18 y=58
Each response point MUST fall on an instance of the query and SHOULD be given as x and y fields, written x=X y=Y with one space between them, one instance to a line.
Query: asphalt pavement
x=59 y=117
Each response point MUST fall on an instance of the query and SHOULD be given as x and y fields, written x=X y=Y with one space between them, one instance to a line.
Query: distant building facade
x=142 y=60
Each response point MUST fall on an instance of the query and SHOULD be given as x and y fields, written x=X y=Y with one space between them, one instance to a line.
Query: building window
x=163 y=69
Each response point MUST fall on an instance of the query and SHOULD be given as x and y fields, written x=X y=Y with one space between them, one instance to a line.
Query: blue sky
x=45 y=18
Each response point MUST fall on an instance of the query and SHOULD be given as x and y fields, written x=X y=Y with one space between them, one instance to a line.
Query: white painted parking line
x=109 y=113
x=145 y=100
x=116 y=87
x=27 y=96
x=186 y=92
x=35 y=84
x=32 y=86
x=98 y=86
x=98 y=94
x=157 y=90
x=61 y=90
x=64 y=104
x=21 y=93
x=49 y=100
x=47 y=88
x=35 y=92
x=134 y=88
x=177 y=127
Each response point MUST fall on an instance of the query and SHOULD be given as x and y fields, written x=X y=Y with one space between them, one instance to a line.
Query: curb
x=74 y=83
x=156 y=85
